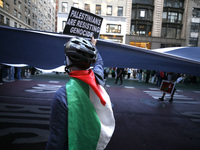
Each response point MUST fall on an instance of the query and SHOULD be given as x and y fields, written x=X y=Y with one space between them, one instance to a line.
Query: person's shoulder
x=62 y=89
x=59 y=102
x=61 y=93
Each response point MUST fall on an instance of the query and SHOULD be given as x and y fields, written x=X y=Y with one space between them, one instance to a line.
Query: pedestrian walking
x=120 y=72
x=129 y=72
x=171 y=77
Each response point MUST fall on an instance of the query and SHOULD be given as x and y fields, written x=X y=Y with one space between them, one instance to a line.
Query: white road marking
x=129 y=87
x=54 y=81
x=44 y=88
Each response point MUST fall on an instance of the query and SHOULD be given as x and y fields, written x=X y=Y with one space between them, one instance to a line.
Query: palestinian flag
x=90 y=117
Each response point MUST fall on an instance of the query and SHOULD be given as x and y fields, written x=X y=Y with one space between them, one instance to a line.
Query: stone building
x=30 y=14
x=113 y=13
x=163 y=23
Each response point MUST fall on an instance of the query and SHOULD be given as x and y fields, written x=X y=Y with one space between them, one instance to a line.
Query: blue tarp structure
x=45 y=50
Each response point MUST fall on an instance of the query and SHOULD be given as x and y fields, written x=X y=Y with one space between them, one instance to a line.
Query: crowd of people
x=147 y=76
x=11 y=73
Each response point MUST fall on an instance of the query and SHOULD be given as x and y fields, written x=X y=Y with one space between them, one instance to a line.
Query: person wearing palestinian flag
x=81 y=115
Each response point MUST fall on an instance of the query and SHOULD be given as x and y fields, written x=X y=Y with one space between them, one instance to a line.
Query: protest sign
x=83 y=23
x=167 y=86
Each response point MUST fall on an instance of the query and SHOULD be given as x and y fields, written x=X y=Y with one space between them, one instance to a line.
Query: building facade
x=193 y=32
x=30 y=14
x=164 y=23
x=113 y=13
x=145 y=23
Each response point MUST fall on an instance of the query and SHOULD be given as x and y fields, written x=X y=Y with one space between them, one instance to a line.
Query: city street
x=142 y=122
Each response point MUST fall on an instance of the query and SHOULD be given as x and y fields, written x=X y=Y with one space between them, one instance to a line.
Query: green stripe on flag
x=83 y=123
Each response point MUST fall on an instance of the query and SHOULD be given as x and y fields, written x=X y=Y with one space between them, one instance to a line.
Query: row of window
x=147 y=2
x=97 y=9
x=27 y=21
x=174 y=3
x=142 y=18
x=28 y=13
x=28 y=2
x=8 y=21
x=167 y=3
x=194 y=29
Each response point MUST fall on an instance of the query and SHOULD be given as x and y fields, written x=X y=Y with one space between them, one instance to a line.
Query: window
x=170 y=45
x=98 y=9
x=178 y=33
x=120 y=11
x=142 y=13
x=193 y=42
x=1 y=18
x=180 y=17
x=76 y=5
x=163 y=32
x=164 y=17
x=196 y=13
x=8 y=21
x=63 y=24
x=19 y=5
x=15 y=2
x=195 y=27
x=141 y=29
x=64 y=6
x=29 y=12
x=133 y=15
x=15 y=12
x=133 y=29
x=87 y=7
x=171 y=32
x=146 y=45
x=29 y=22
x=7 y=7
x=172 y=17
x=109 y=10
x=1 y=3
x=15 y=24
x=142 y=17
x=29 y=3
x=25 y=10
x=35 y=17
x=113 y=28
x=174 y=3
x=26 y=20
x=19 y=15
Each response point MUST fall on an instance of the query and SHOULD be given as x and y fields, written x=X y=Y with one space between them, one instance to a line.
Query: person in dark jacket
x=120 y=72
x=82 y=105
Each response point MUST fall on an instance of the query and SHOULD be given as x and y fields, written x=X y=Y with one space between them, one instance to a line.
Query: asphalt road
x=142 y=122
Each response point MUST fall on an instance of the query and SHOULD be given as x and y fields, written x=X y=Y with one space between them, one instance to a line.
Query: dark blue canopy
x=45 y=50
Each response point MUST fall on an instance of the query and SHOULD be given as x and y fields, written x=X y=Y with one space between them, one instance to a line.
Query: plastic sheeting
x=45 y=50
